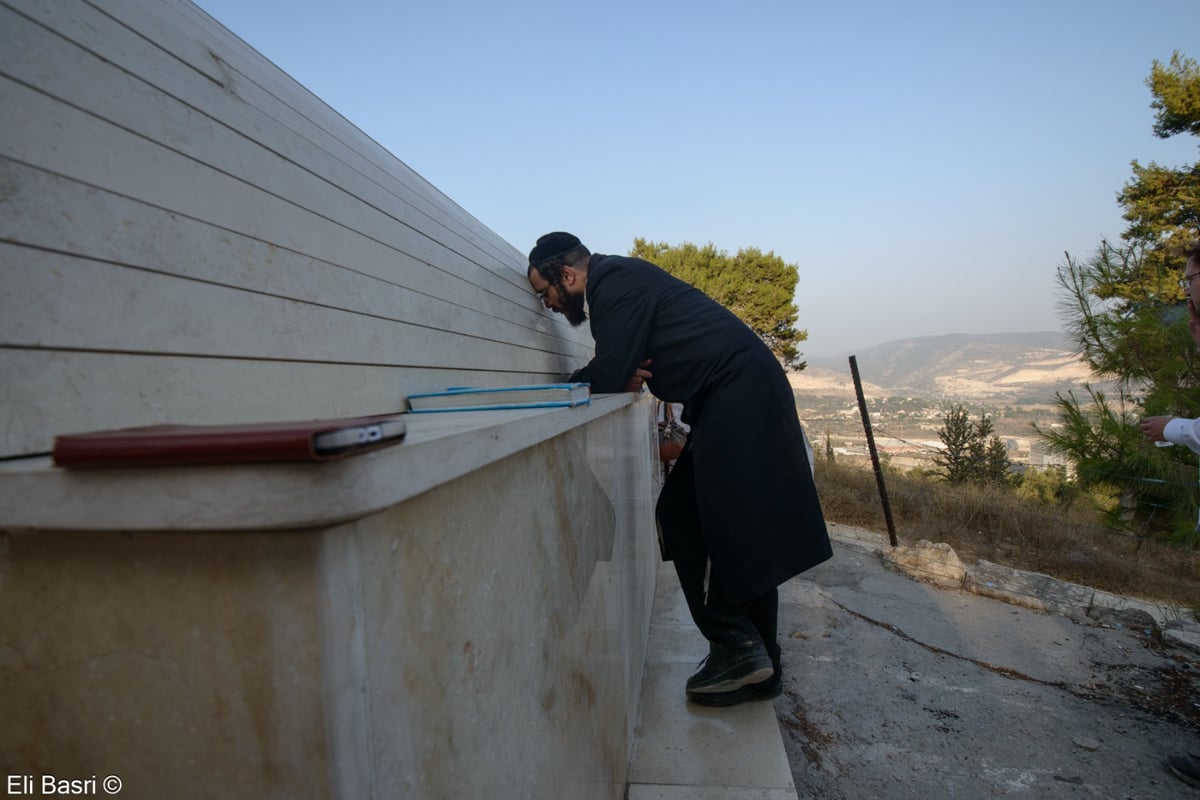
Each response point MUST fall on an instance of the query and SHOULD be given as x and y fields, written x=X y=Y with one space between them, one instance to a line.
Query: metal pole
x=866 y=419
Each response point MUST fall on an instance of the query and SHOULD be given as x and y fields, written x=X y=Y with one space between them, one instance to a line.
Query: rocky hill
x=1008 y=367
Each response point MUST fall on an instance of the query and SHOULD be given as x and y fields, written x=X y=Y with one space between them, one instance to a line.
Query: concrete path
x=687 y=752
x=897 y=689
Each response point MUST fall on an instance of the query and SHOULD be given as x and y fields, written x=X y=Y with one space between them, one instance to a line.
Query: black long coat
x=759 y=514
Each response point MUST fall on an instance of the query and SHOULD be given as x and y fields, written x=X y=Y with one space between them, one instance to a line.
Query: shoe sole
x=746 y=694
x=730 y=684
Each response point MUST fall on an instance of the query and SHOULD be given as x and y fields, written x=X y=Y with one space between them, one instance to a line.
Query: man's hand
x=1152 y=427
x=639 y=377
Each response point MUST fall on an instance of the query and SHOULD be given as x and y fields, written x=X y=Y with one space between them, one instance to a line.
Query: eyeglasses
x=541 y=294
x=1186 y=281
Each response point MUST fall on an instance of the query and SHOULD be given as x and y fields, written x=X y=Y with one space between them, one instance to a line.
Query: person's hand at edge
x=1152 y=427
x=639 y=377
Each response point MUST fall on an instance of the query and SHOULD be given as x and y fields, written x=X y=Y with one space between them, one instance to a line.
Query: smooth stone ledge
x=439 y=447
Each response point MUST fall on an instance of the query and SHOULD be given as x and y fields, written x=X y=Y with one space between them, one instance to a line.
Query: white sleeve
x=1185 y=432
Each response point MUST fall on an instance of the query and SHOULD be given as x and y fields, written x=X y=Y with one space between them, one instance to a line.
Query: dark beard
x=573 y=309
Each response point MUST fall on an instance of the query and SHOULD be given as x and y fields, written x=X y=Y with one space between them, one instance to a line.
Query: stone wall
x=189 y=236
x=484 y=638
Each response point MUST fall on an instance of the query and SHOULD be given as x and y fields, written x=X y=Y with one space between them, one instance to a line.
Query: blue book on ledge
x=467 y=398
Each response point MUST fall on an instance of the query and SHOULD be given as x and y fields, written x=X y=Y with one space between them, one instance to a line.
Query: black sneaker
x=769 y=689
x=727 y=668
x=1186 y=767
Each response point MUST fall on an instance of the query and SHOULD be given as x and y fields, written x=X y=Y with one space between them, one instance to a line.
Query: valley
x=910 y=385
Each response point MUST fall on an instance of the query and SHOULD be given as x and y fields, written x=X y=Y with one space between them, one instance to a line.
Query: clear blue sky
x=924 y=164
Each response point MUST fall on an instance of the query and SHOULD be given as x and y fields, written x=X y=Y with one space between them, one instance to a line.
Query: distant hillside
x=1019 y=366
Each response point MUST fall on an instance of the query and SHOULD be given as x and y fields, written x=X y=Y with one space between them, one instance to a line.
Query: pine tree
x=996 y=464
x=957 y=435
x=1123 y=307
x=972 y=453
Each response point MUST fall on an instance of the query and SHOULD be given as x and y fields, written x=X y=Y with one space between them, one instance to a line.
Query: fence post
x=866 y=419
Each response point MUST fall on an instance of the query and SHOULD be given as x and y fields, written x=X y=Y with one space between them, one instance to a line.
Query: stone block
x=933 y=563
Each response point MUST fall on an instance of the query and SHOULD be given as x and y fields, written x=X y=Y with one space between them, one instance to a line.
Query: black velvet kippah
x=553 y=244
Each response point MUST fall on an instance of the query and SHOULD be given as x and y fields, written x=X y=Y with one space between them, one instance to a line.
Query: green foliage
x=1123 y=307
x=921 y=474
x=1162 y=205
x=1046 y=486
x=758 y=287
x=973 y=453
x=1154 y=488
x=956 y=434
x=996 y=465
x=1125 y=316
x=1176 y=90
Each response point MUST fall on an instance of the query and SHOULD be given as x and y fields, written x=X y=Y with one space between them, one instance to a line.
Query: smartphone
x=339 y=441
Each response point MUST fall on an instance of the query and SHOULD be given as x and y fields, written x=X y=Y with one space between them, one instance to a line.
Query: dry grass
x=1068 y=542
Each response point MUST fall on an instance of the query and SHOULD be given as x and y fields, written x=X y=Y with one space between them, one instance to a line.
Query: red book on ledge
x=175 y=445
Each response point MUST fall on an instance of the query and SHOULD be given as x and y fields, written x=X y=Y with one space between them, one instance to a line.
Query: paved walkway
x=687 y=752
x=895 y=688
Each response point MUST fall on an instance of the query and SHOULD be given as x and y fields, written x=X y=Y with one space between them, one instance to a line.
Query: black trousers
x=719 y=620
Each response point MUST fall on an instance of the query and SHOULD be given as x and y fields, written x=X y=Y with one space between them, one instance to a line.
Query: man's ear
x=569 y=275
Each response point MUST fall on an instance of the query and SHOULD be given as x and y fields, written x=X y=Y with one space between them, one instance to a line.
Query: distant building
x=1041 y=457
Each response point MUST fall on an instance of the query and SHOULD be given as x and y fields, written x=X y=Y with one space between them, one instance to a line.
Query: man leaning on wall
x=739 y=512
